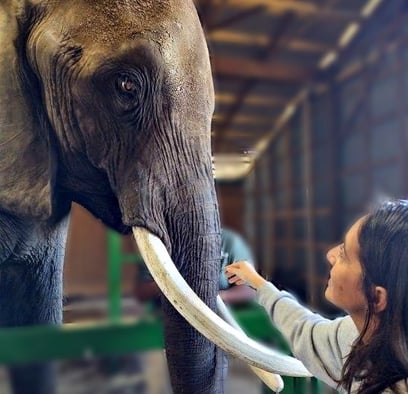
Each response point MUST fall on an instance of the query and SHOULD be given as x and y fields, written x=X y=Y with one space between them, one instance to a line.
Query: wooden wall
x=232 y=205
x=345 y=146
x=85 y=272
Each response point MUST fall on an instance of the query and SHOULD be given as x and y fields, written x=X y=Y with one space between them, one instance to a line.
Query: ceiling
x=264 y=52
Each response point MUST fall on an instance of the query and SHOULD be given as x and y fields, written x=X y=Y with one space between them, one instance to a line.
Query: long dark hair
x=382 y=361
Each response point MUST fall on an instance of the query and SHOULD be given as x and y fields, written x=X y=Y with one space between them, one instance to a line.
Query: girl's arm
x=321 y=344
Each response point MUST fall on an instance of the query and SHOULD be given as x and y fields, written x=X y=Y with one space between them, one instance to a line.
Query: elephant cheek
x=83 y=140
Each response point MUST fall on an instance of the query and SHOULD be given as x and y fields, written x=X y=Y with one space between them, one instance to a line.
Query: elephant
x=108 y=103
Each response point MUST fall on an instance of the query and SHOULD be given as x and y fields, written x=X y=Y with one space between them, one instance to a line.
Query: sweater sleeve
x=321 y=344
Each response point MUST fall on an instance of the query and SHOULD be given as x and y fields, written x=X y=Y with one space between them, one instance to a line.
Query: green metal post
x=301 y=386
x=114 y=275
x=316 y=386
x=116 y=258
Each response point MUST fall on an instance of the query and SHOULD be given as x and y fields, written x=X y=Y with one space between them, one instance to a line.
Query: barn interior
x=310 y=128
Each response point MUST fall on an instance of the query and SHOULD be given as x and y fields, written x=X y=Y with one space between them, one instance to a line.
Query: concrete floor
x=241 y=379
x=96 y=376
x=92 y=377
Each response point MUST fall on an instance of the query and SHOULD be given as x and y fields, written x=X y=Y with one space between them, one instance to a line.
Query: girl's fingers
x=233 y=279
x=235 y=273
x=236 y=280
x=229 y=274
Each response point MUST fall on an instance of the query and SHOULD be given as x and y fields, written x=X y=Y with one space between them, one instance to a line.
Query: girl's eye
x=341 y=251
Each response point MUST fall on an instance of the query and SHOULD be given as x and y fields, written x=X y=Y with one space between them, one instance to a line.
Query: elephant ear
x=25 y=155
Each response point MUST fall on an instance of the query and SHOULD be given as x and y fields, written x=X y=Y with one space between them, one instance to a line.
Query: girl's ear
x=380 y=298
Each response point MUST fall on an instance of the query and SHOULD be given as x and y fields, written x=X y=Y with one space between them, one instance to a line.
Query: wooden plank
x=262 y=40
x=242 y=135
x=256 y=100
x=263 y=56
x=245 y=119
x=250 y=69
x=302 y=8
x=249 y=12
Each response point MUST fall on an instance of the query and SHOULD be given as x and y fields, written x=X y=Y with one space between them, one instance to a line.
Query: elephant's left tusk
x=202 y=318
x=272 y=380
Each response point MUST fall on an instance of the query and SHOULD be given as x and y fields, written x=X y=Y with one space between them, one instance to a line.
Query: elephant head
x=108 y=103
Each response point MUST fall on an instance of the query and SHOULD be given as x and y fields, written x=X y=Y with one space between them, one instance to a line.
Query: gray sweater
x=321 y=344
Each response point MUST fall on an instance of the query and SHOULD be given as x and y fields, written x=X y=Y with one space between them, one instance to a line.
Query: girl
x=365 y=352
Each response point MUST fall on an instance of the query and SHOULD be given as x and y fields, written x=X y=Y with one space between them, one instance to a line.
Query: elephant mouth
x=204 y=320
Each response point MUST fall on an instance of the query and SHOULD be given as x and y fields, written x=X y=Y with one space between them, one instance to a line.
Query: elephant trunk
x=186 y=219
x=193 y=362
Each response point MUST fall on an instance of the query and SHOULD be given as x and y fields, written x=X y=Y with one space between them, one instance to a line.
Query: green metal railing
x=72 y=341
x=118 y=336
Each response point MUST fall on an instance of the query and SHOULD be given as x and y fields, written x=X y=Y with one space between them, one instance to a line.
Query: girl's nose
x=331 y=255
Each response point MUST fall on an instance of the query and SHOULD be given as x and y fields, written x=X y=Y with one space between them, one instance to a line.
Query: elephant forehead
x=107 y=21
x=115 y=26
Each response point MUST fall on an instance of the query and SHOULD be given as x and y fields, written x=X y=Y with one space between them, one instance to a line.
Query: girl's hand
x=242 y=272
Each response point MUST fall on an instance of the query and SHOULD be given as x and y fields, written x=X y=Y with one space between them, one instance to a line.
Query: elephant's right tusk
x=273 y=381
x=193 y=309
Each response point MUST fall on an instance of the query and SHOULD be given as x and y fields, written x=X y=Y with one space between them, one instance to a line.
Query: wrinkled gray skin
x=107 y=103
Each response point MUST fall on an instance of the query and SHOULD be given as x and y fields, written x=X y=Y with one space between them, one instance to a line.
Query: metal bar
x=40 y=343
x=115 y=257
x=309 y=198
x=403 y=136
x=69 y=341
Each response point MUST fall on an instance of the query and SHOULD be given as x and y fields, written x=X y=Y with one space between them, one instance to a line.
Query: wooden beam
x=256 y=100
x=246 y=13
x=232 y=134
x=262 y=40
x=250 y=69
x=205 y=12
x=245 y=119
x=263 y=57
x=302 y=8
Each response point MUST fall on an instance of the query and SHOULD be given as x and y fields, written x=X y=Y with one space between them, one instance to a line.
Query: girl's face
x=344 y=288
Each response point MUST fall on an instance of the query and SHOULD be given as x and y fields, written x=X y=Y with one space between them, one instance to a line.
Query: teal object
x=233 y=248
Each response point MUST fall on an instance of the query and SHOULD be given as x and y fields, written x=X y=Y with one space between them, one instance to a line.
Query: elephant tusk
x=202 y=318
x=273 y=381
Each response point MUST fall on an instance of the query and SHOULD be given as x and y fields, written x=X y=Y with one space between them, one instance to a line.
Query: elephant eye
x=127 y=84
